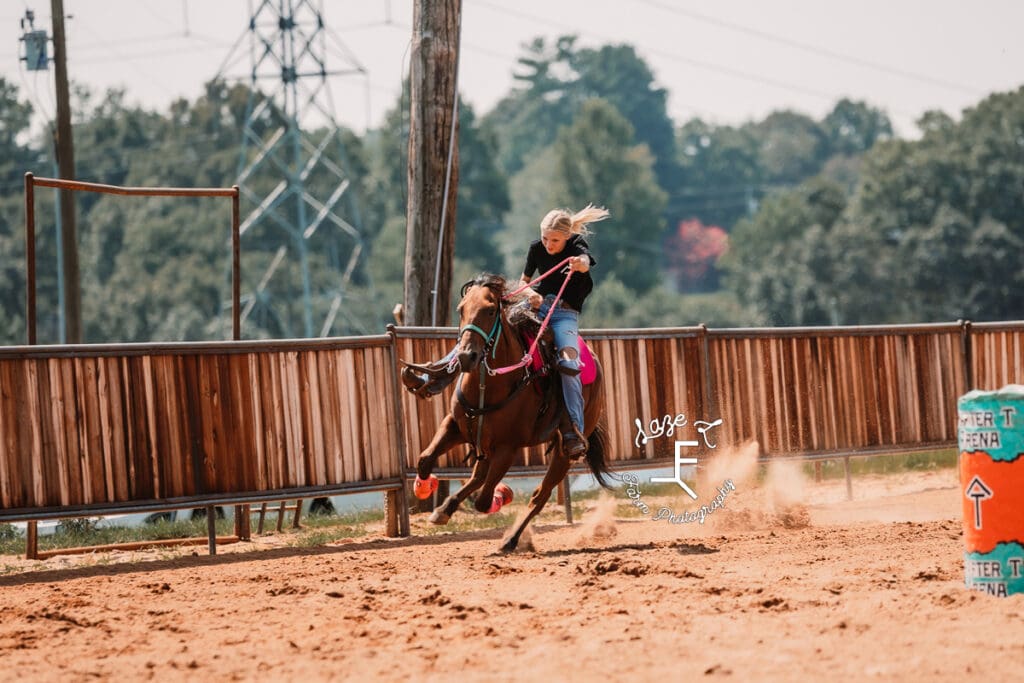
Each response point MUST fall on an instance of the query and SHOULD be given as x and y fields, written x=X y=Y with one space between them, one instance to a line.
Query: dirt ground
x=809 y=587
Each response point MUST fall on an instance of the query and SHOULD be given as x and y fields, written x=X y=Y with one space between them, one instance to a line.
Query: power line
x=149 y=54
x=813 y=49
x=146 y=40
x=710 y=66
x=701 y=64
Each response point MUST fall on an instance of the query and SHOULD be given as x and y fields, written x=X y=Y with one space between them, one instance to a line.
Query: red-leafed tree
x=692 y=251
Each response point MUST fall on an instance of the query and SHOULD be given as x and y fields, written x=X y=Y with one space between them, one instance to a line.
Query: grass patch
x=467 y=520
x=886 y=464
x=83 y=532
x=320 y=530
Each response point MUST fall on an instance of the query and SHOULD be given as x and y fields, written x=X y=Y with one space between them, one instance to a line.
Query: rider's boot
x=574 y=444
x=426 y=384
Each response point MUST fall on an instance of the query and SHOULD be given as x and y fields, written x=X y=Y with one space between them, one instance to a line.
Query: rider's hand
x=580 y=264
x=535 y=299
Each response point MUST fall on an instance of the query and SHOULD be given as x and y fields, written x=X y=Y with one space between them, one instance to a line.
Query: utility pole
x=64 y=144
x=433 y=170
x=433 y=161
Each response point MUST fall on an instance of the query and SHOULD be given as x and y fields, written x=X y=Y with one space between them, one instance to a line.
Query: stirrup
x=574 y=444
x=566 y=369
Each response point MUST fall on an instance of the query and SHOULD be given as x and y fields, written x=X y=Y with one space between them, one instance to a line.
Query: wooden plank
x=147 y=372
x=54 y=439
x=8 y=434
x=315 y=420
x=44 y=405
x=788 y=393
x=200 y=381
x=390 y=450
x=105 y=434
x=292 y=435
x=38 y=485
x=330 y=405
x=180 y=430
x=277 y=450
x=228 y=466
x=85 y=387
x=370 y=422
x=117 y=429
x=242 y=445
x=297 y=445
x=257 y=395
x=139 y=477
x=353 y=466
x=364 y=437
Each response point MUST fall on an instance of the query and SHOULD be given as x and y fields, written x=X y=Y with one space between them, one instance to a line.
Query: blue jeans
x=564 y=324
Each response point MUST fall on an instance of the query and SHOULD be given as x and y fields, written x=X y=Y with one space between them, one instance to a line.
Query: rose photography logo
x=666 y=427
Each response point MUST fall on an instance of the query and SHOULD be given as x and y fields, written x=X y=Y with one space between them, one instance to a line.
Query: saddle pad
x=588 y=368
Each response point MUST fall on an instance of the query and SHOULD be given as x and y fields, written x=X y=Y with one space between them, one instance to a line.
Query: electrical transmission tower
x=296 y=178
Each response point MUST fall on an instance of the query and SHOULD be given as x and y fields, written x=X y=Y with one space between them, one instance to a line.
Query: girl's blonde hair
x=560 y=220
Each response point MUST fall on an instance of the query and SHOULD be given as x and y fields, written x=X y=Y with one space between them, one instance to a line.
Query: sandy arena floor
x=809 y=588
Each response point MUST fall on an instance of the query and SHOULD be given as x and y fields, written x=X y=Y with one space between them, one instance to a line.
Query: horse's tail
x=597 y=447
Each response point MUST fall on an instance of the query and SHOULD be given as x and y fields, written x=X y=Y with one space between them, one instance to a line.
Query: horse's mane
x=496 y=283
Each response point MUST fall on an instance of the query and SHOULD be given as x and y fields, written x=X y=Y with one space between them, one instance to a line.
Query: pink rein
x=526 y=359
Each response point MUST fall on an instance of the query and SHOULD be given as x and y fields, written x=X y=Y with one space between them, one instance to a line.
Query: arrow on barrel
x=979 y=492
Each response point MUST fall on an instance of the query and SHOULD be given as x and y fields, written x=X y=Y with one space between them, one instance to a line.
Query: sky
x=726 y=62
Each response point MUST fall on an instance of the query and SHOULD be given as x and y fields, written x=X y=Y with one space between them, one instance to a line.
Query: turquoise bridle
x=490 y=338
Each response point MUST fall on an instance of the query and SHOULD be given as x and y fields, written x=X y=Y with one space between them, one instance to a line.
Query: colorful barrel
x=991 y=437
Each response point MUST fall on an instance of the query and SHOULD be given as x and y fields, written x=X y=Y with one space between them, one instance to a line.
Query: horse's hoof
x=439 y=517
x=510 y=545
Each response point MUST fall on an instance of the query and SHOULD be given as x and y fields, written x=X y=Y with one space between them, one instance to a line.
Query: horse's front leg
x=445 y=438
x=486 y=475
x=557 y=470
x=443 y=512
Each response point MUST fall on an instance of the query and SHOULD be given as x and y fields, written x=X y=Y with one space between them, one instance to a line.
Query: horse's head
x=479 y=319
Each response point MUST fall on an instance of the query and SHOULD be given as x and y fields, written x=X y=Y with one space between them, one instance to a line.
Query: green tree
x=559 y=78
x=779 y=259
x=854 y=127
x=597 y=160
x=530 y=116
x=942 y=211
x=16 y=157
x=483 y=195
x=793 y=147
x=721 y=175
x=618 y=75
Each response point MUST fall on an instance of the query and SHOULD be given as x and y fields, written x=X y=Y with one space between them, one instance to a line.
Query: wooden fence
x=101 y=429
x=114 y=428
x=995 y=355
x=813 y=393
x=838 y=391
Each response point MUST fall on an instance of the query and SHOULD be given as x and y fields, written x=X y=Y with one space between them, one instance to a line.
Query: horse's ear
x=465 y=287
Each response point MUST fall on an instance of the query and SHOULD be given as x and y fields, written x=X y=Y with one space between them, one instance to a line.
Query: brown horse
x=499 y=414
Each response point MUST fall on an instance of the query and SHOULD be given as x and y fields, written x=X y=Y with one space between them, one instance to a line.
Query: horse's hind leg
x=443 y=512
x=557 y=470
x=445 y=438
